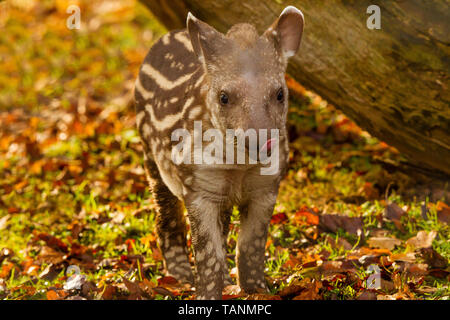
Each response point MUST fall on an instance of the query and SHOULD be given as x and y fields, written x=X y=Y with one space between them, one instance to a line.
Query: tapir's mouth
x=261 y=152
x=267 y=147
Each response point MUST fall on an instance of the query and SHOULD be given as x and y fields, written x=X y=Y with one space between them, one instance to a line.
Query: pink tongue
x=268 y=145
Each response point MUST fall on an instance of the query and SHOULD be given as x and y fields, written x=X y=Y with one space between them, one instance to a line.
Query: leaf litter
x=73 y=190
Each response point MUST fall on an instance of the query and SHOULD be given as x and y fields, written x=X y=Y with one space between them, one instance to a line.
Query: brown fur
x=180 y=81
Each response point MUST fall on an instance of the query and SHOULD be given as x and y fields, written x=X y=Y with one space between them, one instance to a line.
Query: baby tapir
x=199 y=76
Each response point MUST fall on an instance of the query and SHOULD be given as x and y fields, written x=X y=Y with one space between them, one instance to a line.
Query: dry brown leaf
x=393 y=212
x=384 y=242
x=56 y=294
x=311 y=292
x=4 y=221
x=443 y=212
x=417 y=269
x=395 y=296
x=387 y=285
x=163 y=291
x=52 y=295
x=332 y=222
x=330 y=267
x=49 y=255
x=290 y=290
x=405 y=257
x=367 y=295
x=50 y=272
x=426 y=290
x=423 y=239
x=433 y=258
x=261 y=296
x=135 y=290
x=306 y=216
x=339 y=243
x=109 y=292
x=232 y=291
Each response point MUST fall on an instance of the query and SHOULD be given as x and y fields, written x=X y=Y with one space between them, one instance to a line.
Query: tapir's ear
x=206 y=41
x=287 y=31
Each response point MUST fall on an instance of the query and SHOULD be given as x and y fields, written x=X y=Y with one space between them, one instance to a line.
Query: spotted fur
x=179 y=83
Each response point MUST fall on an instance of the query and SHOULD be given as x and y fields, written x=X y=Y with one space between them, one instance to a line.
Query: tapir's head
x=245 y=71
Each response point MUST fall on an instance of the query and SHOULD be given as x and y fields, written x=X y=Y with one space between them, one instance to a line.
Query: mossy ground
x=73 y=190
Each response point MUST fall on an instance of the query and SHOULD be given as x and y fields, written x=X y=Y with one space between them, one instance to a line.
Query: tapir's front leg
x=206 y=230
x=255 y=219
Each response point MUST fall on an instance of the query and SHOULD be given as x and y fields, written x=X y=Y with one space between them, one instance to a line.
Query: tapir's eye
x=223 y=98
x=280 y=95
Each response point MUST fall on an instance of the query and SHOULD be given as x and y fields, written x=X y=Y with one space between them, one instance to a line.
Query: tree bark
x=393 y=82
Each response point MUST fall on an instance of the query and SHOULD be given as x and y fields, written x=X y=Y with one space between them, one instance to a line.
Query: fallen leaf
x=387 y=285
x=395 y=296
x=292 y=262
x=368 y=259
x=52 y=295
x=423 y=239
x=433 y=258
x=370 y=191
x=417 y=270
x=75 y=227
x=262 y=296
x=49 y=255
x=56 y=294
x=232 y=291
x=108 y=263
x=135 y=290
x=331 y=267
x=443 y=212
x=332 y=222
x=386 y=297
x=156 y=254
x=88 y=289
x=393 y=212
x=367 y=295
x=30 y=290
x=50 y=272
x=439 y=273
x=279 y=218
x=12 y=210
x=77 y=297
x=52 y=241
x=290 y=290
x=109 y=292
x=6 y=269
x=426 y=290
x=163 y=291
x=339 y=243
x=4 y=221
x=306 y=216
x=167 y=280
x=311 y=292
x=118 y=217
x=405 y=257
x=383 y=242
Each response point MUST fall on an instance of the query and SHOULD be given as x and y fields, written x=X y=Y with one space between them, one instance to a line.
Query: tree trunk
x=393 y=82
